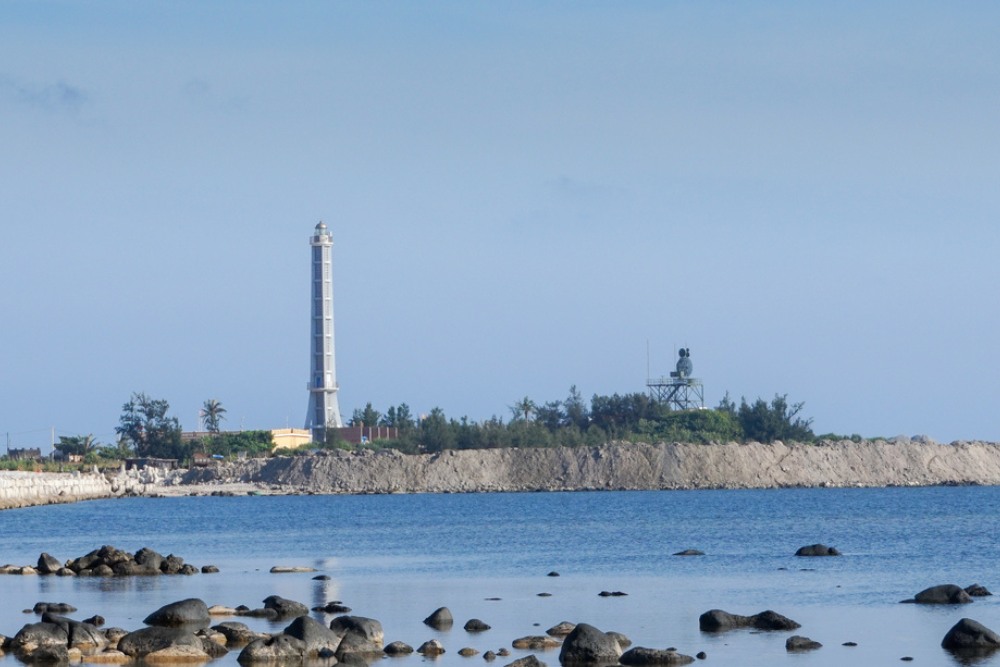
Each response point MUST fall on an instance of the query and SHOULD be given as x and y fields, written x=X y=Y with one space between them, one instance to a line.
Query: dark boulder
x=527 y=661
x=623 y=641
x=535 y=642
x=475 y=625
x=333 y=608
x=34 y=636
x=817 y=550
x=772 y=620
x=130 y=568
x=285 y=608
x=47 y=655
x=431 y=647
x=358 y=635
x=561 y=629
x=184 y=612
x=968 y=636
x=171 y=564
x=211 y=647
x=209 y=569
x=977 y=591
x=587 y=645
x=237 y=634
x=318 y=640
x=96 y=620
x=716 y=620
x=398 y=648
x=53 y=608
x=440 y=619
x=797 y=643
x=48 y=564
x=114 y=635
x=653 y=656
x=149 y=559
x=943 y=594
x=81 y=635
x=272 y=649
x=150 y=640
x=690 y=552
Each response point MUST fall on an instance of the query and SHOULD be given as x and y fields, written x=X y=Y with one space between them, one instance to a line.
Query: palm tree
x=524 y=408
x=211 y=414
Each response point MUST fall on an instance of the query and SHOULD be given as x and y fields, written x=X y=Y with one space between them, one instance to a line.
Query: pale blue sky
x=522 y=195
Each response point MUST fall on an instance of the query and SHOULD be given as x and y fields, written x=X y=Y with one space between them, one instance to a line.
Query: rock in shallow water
x=717 y=620
x=943 y=594
x=398 y=648
x=653 y=656
x=183 y=612
x=440 y=619
x=798 y=643
x=817 y=550
x=588 y=645
x=970 y=635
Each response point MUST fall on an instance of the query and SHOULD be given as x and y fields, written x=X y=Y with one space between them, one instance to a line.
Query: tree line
x=573 y=422
x=146 y=429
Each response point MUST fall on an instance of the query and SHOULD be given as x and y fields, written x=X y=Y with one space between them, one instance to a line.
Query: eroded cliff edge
x=618 y=466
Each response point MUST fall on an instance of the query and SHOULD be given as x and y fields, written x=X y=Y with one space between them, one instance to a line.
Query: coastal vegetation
x=573 y=422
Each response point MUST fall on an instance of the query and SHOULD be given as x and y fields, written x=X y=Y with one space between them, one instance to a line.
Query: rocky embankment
x=901 y=462
x=621 y=466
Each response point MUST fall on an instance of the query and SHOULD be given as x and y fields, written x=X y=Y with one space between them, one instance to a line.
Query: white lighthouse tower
x=323 y=407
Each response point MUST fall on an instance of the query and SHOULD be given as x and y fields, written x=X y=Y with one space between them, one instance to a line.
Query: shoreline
x=616 y=466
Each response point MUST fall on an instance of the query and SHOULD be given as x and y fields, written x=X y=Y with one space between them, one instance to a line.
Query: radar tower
x=680 y=391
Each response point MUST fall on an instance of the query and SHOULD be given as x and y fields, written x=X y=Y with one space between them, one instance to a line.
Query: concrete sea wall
x=23 y=489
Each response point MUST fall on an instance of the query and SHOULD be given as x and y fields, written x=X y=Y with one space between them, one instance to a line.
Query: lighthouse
x=324 y=410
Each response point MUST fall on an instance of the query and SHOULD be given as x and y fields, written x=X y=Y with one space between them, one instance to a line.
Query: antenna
x=647 y=357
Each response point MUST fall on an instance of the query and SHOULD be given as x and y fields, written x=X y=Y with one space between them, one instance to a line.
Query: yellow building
x=290 y=438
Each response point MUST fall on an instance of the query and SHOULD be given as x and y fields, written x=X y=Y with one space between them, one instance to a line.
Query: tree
x=367 y=417
x=777 y=421
x=551 y=415
x=399 y=417
x=79 y=445
x=524 y=408
x=146 y=428
x=576 y=410
x=435 y=432
x=211 y=414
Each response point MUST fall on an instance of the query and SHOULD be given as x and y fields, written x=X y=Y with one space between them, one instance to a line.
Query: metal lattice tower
x=324 y=409
x=680 y=391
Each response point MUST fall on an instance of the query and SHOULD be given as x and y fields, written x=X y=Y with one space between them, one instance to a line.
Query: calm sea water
x=397 y=558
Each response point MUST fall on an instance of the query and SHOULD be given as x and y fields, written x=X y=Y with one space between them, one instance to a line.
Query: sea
x=493 y=557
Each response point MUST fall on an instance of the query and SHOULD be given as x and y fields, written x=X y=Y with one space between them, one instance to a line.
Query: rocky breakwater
x=620 y=466
x=24 y=489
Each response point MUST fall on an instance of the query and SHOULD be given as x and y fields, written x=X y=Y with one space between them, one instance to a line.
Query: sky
x=524 y=197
